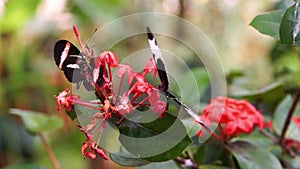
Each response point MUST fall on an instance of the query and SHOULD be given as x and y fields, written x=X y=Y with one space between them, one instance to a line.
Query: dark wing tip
x=149 y=33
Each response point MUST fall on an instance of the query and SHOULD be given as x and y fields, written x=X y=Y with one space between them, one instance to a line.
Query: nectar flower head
x=125 y=69
x=150 y=67
x=159 y=105
x=141 y=85
x=238 y=116
x=64 y=100
x=107 y=57
x=89 y=147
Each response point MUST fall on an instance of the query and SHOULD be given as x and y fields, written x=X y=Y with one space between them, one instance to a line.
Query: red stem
x=140 y=103
x=120 y=87
x=215 y=135
x=85 y=104
x=100 y=134
x=221 y=131
x=134 y=98
x=84 y=101
x=110 y=73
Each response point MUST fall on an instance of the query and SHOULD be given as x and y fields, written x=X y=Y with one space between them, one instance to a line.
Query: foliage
x=267 y=139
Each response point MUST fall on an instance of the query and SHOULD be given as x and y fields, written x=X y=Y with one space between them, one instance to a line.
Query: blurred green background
x=29 y=77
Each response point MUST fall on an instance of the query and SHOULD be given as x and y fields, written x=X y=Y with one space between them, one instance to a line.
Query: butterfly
x=163 y=76
x=76 y=65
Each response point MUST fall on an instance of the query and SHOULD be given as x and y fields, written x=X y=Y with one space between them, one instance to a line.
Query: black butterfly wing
x=160 y=65
x=161 y=68
x=66 y=55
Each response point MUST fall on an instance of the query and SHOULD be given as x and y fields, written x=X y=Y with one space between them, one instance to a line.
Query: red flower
x=141 y=85
x=107 y=57
x=238 y=116
x=150 y=66
x=292 y=144
x=123 y=69
x=64 y=100
x=89 y=147
x=297 y=121
x=159 y=105
x=269 y=124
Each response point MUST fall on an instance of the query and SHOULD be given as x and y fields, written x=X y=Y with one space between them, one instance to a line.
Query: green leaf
x=199 y=156
x=162 y=165
x=257 y=139
x=125 y=158
x=249 y=156
x=37 y=122
x=287 y=27
x=213 y=167
x=294 y=162
x=128 y=161
x=72 y=114
x=271 y=94
x=268 y=23
x=280 y=116
x=154 y=141
x=24 y=166
x=281 y=113
x=202 y=78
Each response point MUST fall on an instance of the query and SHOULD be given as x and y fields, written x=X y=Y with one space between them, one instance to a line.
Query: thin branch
x=269 y=135
x=289 y=118
x=49 y=152
x=230 y=159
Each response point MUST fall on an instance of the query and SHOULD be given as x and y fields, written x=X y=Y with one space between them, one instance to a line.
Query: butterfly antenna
x=92 y=35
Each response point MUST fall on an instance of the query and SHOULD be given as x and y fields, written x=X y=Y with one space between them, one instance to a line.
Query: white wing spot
x=74 y=66
x=155 y=49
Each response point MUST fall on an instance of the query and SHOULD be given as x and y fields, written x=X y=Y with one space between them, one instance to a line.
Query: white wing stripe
x=74 y=66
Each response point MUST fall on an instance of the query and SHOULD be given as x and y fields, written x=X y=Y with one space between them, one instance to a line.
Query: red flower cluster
x=237 y=116
x=63 y=99
x=117 y=101
x=89 y=147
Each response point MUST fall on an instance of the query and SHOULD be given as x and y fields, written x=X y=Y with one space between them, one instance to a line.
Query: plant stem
x=120 y=88
x=289 y=117
x=85 y=104
x=269 y=135
x=49 y=152
x=222 y=132
x=230 y=159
